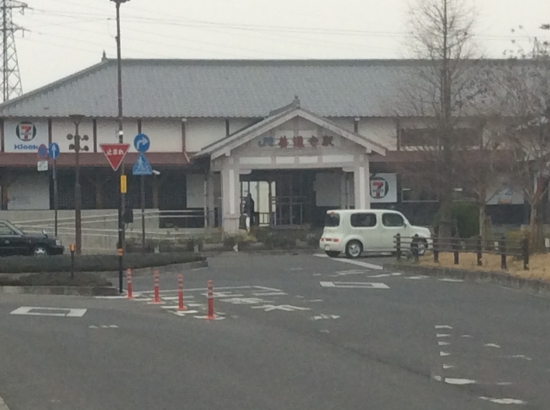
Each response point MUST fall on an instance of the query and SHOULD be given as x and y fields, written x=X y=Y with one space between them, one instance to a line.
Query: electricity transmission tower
x=11 y=79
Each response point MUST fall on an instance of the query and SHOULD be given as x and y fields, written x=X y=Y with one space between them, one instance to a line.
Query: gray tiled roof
x=219 y=88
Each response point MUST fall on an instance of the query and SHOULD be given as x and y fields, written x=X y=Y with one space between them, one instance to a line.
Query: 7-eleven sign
x=115 y=153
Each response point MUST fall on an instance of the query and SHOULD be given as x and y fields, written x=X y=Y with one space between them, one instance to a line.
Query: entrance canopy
x=292 y=127
x=290 y=139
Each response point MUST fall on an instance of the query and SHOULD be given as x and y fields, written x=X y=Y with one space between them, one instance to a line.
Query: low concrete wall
x=99 y=227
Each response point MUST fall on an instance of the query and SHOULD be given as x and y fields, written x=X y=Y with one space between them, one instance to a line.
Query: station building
x=300 y=137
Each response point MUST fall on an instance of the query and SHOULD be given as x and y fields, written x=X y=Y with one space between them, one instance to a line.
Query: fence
x=502 y=246
x=100 y=228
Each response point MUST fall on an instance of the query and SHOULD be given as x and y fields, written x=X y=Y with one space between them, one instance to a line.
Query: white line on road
x=442 y=335
x=504 y=401
x=324 y=317
x=49 y=311
x=269 y=293
x=266 y=288
x=517 y=356
x=443 y=327
x=450 y=280
x=459 y=382
x=448 y=366
x=492 y=345
x=443 y=343
x=443 y=354
x=286 y=308
x=354 y=285
x=419 y=277
x=353 y=262
x=199 y=289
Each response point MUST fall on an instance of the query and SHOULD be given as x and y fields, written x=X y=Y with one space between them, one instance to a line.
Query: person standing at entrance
x=249 y=209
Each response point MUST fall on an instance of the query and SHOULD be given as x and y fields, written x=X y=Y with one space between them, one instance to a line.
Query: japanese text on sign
x=299 y=141
x=115 y=152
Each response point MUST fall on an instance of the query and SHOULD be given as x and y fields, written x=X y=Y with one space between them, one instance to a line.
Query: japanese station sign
x=303 y=140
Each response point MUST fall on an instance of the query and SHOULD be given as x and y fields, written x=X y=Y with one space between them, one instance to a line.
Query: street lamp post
x=122 y=204
x=77 y=147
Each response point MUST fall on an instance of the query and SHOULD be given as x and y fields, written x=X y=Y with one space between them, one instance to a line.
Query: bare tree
x=525 y=109
x=443 y=100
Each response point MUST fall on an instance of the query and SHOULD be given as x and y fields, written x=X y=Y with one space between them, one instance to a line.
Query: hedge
x=92 y=263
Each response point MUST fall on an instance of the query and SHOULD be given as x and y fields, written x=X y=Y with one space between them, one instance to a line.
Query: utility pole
x=11 y=79
x=77 y=147
x=122 y=205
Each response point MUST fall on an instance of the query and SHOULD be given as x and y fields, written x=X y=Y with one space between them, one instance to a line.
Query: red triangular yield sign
x=115 y=153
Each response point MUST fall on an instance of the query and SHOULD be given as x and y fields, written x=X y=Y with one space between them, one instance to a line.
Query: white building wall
x=165 y=135
x=201 y=132
x=29 y=191
x=238 y=124
x=380 y=130
x=61 y=128
x=107 y=132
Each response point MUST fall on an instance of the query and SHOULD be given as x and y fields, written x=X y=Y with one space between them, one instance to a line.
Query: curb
x=147 y=271
x=3 y=405
x=261 y=252
x=61 y=291
x=501 y=278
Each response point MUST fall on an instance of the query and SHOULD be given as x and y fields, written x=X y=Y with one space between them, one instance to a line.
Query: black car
x=13 y=241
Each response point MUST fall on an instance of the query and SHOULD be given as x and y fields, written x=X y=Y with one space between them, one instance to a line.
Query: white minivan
x=369 y=230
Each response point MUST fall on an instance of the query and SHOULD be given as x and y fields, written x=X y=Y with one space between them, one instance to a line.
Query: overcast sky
x=68 y=35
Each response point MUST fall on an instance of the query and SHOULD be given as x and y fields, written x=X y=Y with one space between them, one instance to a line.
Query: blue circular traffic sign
x=142 y=143
x=42 y=151
x=53 y=151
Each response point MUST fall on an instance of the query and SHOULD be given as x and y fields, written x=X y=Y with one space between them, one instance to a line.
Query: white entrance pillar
x=361 y=179
x=231 y=194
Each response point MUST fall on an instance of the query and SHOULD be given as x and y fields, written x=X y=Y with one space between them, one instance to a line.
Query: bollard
x=479 y=251
x=181 y=305
x=414 y=248
x=436 y=248
x=398 y=246
x=456 y=253
x=502 y=248
x=210 y=301
x=156 y=289
x=129 y=284
x=72 y=248
x=525 y=251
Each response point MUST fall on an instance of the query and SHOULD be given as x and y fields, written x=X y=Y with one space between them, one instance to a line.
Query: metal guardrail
x=501 y=246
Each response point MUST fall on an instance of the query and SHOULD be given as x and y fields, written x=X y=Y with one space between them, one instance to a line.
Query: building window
x=393 y=220
x=363 y=220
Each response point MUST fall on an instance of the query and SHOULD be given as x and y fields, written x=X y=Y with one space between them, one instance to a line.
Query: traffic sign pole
x=55 y=196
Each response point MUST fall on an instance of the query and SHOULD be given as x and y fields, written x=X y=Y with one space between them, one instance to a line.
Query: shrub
x=465 y=218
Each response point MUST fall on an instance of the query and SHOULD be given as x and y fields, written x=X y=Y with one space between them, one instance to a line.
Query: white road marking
x=353 y=262
x=450 y=280
x=269 y=293
x=111 y=297
x=245 y=301
x=314 y=300
x=443 y=343
x=492 y=345
x=266 y=288
x=323 y=317
x=286 y=308
x=184 y=312
x=459 y=382
x=223 y=294
x=443 y=327
x=448 y=366
x=352 y=272
x=468 y=336
x=443 y=354
x=442 y=335
x=517 y=356
x=416 y=277
x=49 y=311
x=92 y=327
x=176 y=297
x=316 y=274
x=216 y=317
x=504 y=401
x=150 y=292
x=354 y=285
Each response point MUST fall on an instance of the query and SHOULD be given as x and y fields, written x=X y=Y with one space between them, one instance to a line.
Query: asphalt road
x=294 y=332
